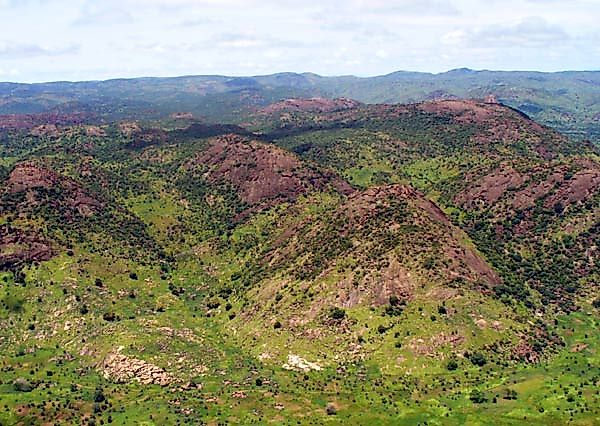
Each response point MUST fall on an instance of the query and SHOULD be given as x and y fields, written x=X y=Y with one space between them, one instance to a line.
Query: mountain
x=322 y=260
x=567 y=101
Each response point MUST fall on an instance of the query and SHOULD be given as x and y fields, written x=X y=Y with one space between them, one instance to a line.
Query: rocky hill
x=321 y=261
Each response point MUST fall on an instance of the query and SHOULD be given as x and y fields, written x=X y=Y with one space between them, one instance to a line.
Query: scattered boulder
x=22 y=385
x=297 y=363
x=123 y=369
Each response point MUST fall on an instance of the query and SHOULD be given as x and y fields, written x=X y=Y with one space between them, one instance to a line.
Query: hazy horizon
x=135 y=77
x=83 y=40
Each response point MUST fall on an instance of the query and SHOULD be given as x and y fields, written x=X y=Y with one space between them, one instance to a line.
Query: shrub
x=477 y=397
x=478 y=359
x=452 y=365
x=213 y=304
x=337 y=313
x=109 y=316
x=99 y=396
x=13 y=304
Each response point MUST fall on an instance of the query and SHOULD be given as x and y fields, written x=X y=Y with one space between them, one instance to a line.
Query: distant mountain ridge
x=568 y=101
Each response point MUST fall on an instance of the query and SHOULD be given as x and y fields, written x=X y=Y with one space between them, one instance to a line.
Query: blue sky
x=47 y=40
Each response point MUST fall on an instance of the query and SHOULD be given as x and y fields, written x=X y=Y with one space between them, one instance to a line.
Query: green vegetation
x=143 y=283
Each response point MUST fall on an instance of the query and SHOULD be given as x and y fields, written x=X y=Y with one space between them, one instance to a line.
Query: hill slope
x=567 y=101
x=320 y=262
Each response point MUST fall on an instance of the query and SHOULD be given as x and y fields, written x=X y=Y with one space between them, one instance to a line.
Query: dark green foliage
x=13 y=303
x=337 y=313
x=109 y=316
x=478 y=397
x=478 y=359
x=452 y=365
x=395 y=306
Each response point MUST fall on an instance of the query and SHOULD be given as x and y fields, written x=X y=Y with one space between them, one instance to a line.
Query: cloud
x=195 y=22
x=363 y=37
x=411 y=7
x=12 y=72
x=533 y=32
x=18 y=51
x=92 y=15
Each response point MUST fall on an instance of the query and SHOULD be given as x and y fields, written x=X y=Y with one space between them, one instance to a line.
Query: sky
x=49 y=40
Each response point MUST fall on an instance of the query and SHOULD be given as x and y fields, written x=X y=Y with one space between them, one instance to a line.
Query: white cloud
x=533 y=32
x=17 y=50
x=74 y=39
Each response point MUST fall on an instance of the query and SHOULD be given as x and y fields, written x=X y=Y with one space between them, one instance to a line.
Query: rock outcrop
x=123 y=369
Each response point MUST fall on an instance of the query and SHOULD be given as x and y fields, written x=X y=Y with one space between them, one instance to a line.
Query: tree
x=337 y=313
x=478 y=359
x=477 y=396
x=452 y=365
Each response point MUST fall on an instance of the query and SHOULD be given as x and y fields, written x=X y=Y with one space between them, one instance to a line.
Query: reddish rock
x=19 y=246
x=30 y=121
x=262 y=174
x=311 y=105
x=30 y=176
x=491 y=187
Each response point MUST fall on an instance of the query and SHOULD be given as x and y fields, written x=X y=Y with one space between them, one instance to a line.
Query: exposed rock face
x=311 y=105
x=129 y=128
x=362 y=207
x=182 y=116
x=499 y=125
x=146 y=137
x=437 y=95
x=94 y=131
x=581 y=186
x=31 y=121
x=18 y=246
x=45 y=130
x=294 y=362
x=30 y=177
x=122 y=369
x=491 y=187
x=400 y=235
x=262 y=174
x=525 y=189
